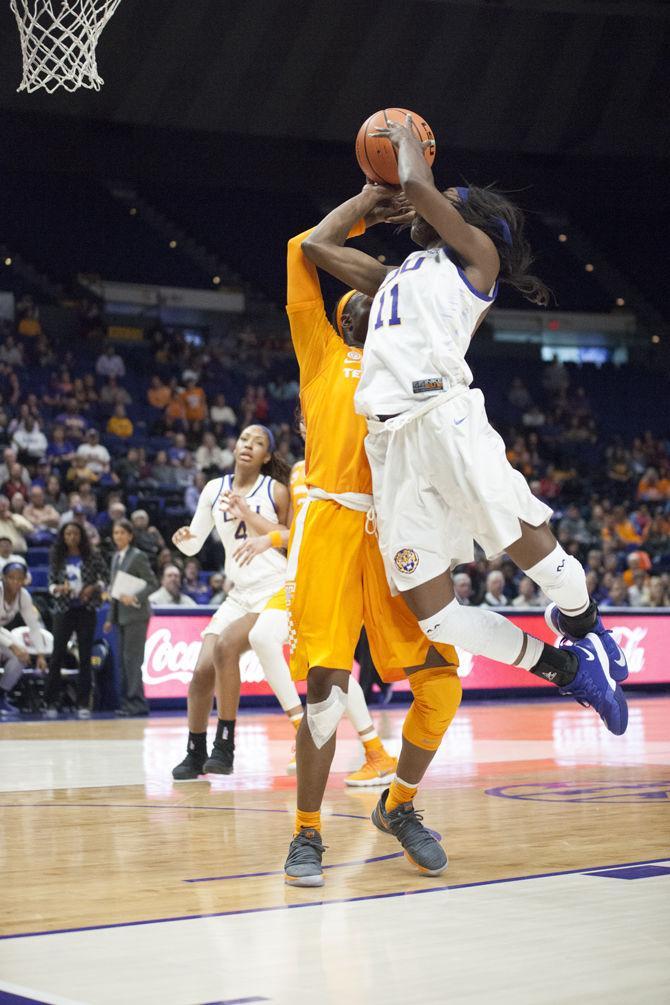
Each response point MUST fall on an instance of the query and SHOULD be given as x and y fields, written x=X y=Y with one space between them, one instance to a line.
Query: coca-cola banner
x=173 y=644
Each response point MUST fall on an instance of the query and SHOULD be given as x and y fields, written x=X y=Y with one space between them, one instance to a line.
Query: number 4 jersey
x=421 y=322
x=265 y=573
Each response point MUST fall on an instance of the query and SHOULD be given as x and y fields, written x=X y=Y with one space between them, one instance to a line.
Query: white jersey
x=421 y=322
x=23 y=605
x=266 y=572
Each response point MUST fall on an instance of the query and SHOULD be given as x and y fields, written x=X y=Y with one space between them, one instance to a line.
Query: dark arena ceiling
x=577 y=77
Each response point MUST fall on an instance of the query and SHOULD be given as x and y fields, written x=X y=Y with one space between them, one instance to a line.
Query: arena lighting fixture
x=8 y=261
x=562 y=238
x=588 y=267
x=173 y=244
x=216 y=280
x=620 y=301
x=381 y=258
x=655 y=338
x=132 y=211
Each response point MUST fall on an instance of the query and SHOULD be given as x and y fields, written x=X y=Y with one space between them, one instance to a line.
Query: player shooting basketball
x=336 y=574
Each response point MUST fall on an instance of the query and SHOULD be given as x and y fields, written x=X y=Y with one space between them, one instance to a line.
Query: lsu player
x=252 y=501
x=336 y=576
x=270 y=633
x=439 y=471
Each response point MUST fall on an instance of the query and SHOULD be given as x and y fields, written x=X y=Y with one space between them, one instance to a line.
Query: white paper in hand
x=126 y=585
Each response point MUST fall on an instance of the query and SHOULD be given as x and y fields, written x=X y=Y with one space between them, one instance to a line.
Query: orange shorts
x=340 y=584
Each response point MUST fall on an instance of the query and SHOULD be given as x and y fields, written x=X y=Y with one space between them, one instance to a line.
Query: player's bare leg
x=315 y=748
x=199 y=707
x=230 y=645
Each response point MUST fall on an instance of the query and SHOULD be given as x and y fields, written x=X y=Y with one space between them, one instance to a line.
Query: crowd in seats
x=134 y=431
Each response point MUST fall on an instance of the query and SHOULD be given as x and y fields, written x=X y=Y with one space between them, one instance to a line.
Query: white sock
x=267 y=639
x=562 y=578
x=357 y=710
x=484 y=633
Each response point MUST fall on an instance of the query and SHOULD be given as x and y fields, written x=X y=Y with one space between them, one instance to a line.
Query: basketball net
x=58 y=41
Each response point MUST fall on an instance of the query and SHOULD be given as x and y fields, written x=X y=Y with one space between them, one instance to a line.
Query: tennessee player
x=270 y=632
x=336 y=578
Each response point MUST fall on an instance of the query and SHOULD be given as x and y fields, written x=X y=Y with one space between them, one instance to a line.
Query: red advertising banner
x=173 y=644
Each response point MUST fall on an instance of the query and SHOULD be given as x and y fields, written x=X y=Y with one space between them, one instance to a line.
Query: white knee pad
x=323 y=717
x=476 y=630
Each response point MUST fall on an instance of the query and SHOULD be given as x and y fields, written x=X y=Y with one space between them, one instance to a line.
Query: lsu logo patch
x=354 y=354
x=406 y=560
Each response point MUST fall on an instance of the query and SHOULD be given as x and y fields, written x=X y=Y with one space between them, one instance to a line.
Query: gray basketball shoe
x=303 y=865
x=404 y=823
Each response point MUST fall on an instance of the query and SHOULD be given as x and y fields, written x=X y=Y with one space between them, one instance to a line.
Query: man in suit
x=131 y=616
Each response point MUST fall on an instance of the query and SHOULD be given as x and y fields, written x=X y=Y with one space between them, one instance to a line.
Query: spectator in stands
x=77 y=578
x=159 y=393
x=192 y=585
x=574 y=525
x=119 y=424
x=60 y=450
x=162 y=473
x=129 y=468
x=11 y=352
x=29 y=326
x=262 y=405
x=112 y=393
x=8 y=461
x=209 y=456
x=95 y=454
x=170 y=593
x=518 y=395
x=555 y=378
x=186 y=472
x=110 y=364
x=77 y=514
x=116 y=510
x=618 y=594
x=658 y=536
x=216 y=589
x=54 y=495
x=179 y=449
x=74 y=422
x=147 y=537
x=528 y=595
x=192 y=493
x=638 y=591
x=495 y=596
x=221 y=414
x=90 y=393
x=79 y=472
x=15 y=484
x=463 y=588
x=14 y=526
x=65 y=384
x=16 y=601
x=42 y=516
x=652 y=488
x=88 y=499
x=195 y=404
x=174 y=416
x=131 y=614
x=658 y=594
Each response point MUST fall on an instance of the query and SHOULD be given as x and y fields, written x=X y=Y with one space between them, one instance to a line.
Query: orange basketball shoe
x=291 y=766
x=379 y=768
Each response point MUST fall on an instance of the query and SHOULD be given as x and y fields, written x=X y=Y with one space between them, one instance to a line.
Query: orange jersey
x=297 y=486
x=330 y=370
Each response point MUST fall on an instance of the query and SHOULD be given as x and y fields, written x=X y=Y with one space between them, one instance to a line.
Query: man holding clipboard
x=132 y=580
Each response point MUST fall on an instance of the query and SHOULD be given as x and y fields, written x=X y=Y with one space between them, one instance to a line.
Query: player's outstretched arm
x=325 y=244
x=190 y=539
x=474 y=246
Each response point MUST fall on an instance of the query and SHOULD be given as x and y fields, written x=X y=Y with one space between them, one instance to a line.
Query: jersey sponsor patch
x=406 y=560
x=428 y=384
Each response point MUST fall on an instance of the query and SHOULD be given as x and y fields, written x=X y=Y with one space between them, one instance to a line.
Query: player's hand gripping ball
x=376 y=155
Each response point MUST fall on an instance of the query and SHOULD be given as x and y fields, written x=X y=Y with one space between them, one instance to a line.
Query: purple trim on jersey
x=259 y=486
x=271 y=497
x=480 y=296
x=223 y=482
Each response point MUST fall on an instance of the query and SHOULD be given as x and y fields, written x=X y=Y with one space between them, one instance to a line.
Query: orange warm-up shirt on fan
x=335 y=459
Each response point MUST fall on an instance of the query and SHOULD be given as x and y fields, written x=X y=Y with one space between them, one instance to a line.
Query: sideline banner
x=173 y=643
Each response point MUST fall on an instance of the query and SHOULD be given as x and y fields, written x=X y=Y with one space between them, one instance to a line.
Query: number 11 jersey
x=421 y=322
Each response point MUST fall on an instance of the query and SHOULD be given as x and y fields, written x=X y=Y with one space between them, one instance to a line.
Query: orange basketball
x=376 y=157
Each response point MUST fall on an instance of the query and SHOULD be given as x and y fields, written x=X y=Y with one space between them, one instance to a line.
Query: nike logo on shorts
x=457 y=422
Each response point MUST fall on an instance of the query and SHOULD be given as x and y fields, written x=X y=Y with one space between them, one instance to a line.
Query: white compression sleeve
x=562 y=578
x=267 y=639
x=357 y=710
x=483 y=633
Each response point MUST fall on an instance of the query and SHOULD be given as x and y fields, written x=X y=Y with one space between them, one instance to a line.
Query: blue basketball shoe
x=559 y=623
x=601 y=668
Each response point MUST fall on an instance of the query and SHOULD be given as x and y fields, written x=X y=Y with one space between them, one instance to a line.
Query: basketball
x=375 y=155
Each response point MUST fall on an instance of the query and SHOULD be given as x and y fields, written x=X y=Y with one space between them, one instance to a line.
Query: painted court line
x=584 y=870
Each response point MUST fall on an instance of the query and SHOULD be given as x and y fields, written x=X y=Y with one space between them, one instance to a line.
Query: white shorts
x=440 y=480
x=236 y=605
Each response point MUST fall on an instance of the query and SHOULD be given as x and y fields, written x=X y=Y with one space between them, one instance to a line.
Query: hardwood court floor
x=120 y=886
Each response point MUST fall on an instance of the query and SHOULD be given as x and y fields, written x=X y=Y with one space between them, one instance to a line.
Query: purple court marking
x=572 y=792
x=635 y=872
x=324 y=903
x=280 y=872
x=8 y=998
